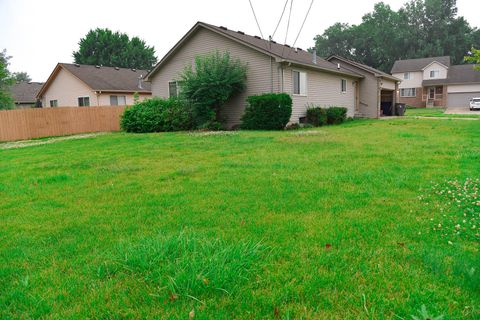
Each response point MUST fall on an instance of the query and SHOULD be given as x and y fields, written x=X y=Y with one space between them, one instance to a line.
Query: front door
x=431 y=94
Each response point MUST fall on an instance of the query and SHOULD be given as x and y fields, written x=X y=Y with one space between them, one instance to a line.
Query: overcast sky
x=40 y=33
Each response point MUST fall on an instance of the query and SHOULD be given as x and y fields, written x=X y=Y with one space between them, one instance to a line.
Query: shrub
x=157 y=115
x=267 y=112
x=316 y=116
x=336 y=115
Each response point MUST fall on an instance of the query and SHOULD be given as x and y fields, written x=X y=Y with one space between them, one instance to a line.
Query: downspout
x=271 y=75
x=379 y=97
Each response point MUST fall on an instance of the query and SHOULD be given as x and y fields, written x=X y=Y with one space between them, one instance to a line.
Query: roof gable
x=412 y=65
x=270 y=48
x=371 y=70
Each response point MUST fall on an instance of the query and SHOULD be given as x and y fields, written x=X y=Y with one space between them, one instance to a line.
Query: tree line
x=421 y=28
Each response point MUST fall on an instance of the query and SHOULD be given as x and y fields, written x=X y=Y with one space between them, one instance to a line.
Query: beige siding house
x=271 y=68
x=377 y=89
x=75 y=85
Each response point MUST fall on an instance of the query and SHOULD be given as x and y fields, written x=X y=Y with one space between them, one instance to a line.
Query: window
x=408 y=93
x=406 y=76
x=53 y=103
x=344 y=85
x=434 y=74
x=300 y=83
x=84 y=102
x=118 y=100
x=173 y=89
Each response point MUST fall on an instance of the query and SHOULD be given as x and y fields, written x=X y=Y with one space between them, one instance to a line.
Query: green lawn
x=333 y=223
x=436 y=112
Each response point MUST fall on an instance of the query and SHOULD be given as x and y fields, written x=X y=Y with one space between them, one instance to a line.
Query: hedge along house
x=377 y=88
x=272 y=68
x=76 y=85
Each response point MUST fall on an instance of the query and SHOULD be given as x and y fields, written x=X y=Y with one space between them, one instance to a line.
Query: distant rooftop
x=412 y=65
x=25 y=92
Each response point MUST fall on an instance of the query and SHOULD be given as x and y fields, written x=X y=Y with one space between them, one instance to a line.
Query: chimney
x=314 y=56
x=140 y=82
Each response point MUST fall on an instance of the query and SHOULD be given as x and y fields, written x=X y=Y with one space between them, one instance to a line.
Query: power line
x=303 y=24
x=288 y=24
x=258 y=24
x=281 y=17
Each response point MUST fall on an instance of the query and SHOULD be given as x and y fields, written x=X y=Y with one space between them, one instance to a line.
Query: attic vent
x=299 y=49
x=339 y=66
x=97 y=66
x=287 y=46
x=257 y=37
x=273 y=41
x=134 y=70
x=222 y=27
x=241 y=32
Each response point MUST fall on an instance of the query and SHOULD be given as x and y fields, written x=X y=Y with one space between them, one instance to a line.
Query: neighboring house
x=377 y=88
x=24 y=94
x=75 y=85
x=435 y=82
x=272 y=67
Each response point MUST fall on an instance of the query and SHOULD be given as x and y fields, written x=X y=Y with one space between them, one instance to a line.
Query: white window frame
x=53 y=103
x=343 y=81
x=412 y=92
x=302 y=79
x=85 y=97
x=117 y=97
x=436 y=74
x=176 y=88
x=407 y=76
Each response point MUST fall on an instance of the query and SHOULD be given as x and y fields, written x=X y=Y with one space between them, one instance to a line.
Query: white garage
x=461 y=100
x=463 y=84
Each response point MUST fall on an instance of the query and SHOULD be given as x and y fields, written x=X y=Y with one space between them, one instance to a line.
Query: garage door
x=461 y=99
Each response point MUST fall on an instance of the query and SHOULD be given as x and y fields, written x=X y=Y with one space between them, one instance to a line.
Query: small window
x=408 y=93
x=84 y=101
x=406 y=76
x=344 y=86
x=53 y=103
x=118 y=100
x=300 y=83
x=172 y=89
x=434 y=74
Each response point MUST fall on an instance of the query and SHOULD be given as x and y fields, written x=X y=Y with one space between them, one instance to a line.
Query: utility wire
x=258 y=24
x=303 y=24
x=288 y=27
x=281 y=17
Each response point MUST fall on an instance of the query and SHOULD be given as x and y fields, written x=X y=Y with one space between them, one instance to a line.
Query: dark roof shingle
x=25 y=92
x=109 y=78
x=412 y=65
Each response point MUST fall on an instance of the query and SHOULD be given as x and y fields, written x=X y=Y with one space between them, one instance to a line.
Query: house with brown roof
x=272 y=68
x=434 y=82
x=24 y=94
x=377 y=94
x=76 y=85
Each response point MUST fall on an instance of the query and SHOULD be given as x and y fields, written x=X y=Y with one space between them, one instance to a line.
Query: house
x=76 y=85
x=24 y=94
x=377 y=88
x=434 y=82
x=272 y=68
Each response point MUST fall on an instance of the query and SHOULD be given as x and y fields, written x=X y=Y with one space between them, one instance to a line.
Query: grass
x=327 y=223
x=436 y=112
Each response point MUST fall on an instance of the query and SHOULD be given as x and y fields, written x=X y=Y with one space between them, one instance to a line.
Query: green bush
x=269 y=111
x=316 y=116
x=336 y=115
x=157 y=115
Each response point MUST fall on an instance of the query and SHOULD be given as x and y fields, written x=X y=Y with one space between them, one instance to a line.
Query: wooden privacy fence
x=47 y=122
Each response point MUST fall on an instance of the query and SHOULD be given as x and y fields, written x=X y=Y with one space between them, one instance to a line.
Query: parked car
x=475 y=104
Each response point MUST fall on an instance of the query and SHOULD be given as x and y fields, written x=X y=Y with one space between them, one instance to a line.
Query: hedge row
x=318 y=117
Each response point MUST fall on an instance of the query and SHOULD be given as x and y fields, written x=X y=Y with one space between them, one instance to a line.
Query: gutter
x=291 y=62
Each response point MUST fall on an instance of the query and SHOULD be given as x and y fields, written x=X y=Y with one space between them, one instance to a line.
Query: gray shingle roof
x=412 y=65
x=109 y=78
x=269 y=47
x=375 y=72
x=458 y=75
x=25 y=92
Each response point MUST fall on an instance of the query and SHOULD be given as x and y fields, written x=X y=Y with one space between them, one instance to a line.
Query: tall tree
x=421 y=28
x=114 y=49
x=6 y=101
x=21 y=77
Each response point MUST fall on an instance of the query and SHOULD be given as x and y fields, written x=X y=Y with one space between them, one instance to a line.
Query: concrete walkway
x=462 y=110
x=433 y=118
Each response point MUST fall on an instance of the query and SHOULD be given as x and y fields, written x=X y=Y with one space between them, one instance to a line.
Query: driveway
x=461 y=110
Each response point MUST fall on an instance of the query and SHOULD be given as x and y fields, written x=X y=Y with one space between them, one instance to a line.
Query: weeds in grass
x=213 y=133
x=425 y=315
x=188 y=266
x=457 y=209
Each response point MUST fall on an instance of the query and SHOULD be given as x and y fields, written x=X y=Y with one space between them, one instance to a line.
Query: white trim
x=413 y=90
x=176 y=88
x=346 y=86
x=305 y=82
x=433 y=63
x=83 y=97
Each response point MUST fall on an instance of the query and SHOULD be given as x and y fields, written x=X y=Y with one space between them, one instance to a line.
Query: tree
x=21 y=77
x=215 y=79
x=114 y=49
x=421 y=28
x=6 y=101
x=474 y=57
